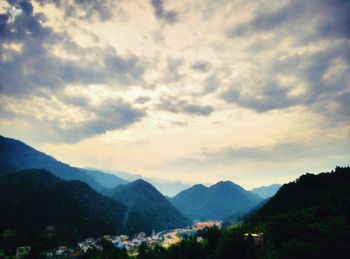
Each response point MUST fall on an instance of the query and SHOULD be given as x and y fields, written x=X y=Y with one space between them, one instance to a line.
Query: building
x=257 y=237
x=50 y=231
x=207 y=224
x=22 y=251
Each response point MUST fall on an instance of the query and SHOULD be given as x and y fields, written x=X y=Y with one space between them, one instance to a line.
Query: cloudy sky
x=257 y=92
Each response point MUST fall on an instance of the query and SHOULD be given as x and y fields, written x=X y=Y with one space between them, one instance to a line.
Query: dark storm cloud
x=182 y=106
x=201 y=66
x=271 y=96
x=310 y=20
x=35 y=67
x=320 y=22
x=35 y=72
x=266 y=20
x=109 y=115
x=161 y=13
x=324 y=91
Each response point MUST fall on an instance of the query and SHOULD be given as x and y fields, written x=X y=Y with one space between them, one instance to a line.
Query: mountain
x=166 y=187
x=308 y=218
x=149 y=209
x=266 y=191
x=125 y=175
x=31 y=200
x=106 y=180
x=16 y=155
x=215 y=202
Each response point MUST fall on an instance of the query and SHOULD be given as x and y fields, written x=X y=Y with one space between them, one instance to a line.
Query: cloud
x=30 y=69
x=84 y=9
x=183 y=106
x=142 y=99
x=268 y=97
x=319 y=81
x=111 y=114
x=163 y=15
x=201 y=66
x=266 y=20
x=211 y=84
x=173 y=69
x=283 y=152
x=36 y=67
x=310 y=20
x=299 y=57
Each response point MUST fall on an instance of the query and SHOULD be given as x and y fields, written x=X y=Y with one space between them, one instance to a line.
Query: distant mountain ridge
x=144 y=199
x=16 y=155
x=166 y=187
x=266 y=191
x=218 y=201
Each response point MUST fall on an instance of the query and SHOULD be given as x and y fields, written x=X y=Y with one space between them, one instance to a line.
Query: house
x=119 y=245
x=22 y=251
x=50 y=231
x=257 y=237
x=61 y=250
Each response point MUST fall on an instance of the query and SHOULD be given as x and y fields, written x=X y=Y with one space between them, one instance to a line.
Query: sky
x=253 y=91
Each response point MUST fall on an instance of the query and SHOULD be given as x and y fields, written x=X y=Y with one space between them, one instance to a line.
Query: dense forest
x=218 y=201
x=307 y=218
x=148 y=209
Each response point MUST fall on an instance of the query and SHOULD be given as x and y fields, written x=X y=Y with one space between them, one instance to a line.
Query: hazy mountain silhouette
x=266 y=191
x=215 y=202
x=16 y=155
x=166 y=187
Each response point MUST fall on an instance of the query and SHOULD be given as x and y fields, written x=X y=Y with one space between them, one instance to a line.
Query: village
x=131 y=245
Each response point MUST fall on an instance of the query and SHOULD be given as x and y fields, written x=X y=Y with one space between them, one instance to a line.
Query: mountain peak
x=144 y=199
x=199 y=186
x=141 y=183
x=226 y=184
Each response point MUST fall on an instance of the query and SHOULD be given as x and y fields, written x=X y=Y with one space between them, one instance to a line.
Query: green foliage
x=216 y=244
x=108 y=252
x=308 y=218
x=148 y=208
x=31 y=200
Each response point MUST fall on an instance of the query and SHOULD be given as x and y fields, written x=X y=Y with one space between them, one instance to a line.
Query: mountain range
x=97 y=179
x=115 y=203
x=218 y=201
x=54 y=177
x=16 y=155
x=166 y=187
x=266 y=191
